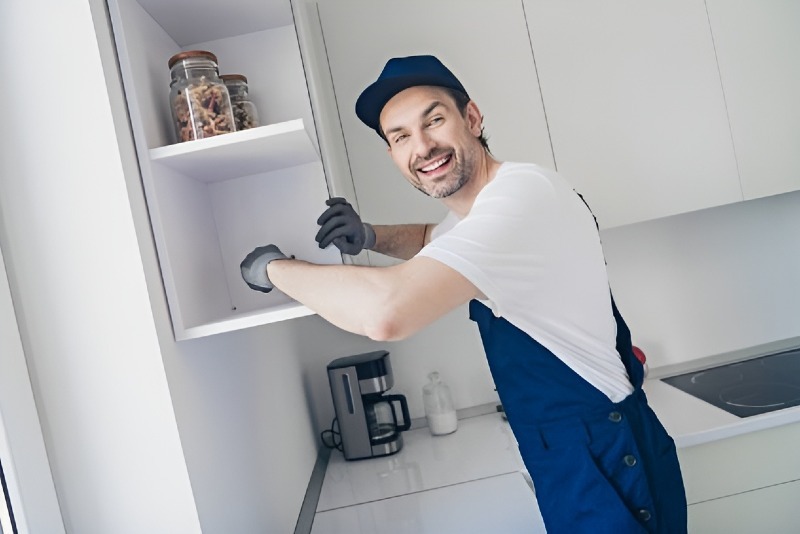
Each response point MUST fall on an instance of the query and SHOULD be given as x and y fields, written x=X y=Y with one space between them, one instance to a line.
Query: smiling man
x=520 y=245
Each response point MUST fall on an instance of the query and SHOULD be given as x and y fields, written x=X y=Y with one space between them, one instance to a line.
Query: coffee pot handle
x=403 y=406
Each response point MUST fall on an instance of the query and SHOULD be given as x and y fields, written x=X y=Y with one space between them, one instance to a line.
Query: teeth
x=435 y=165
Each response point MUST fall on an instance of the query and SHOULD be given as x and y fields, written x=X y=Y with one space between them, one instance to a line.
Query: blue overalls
x=597 y=466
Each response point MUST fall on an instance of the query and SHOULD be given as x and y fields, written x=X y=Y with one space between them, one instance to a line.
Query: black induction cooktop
x=747 y=388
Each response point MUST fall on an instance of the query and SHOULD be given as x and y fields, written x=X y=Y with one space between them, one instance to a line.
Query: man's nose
x=424 y=146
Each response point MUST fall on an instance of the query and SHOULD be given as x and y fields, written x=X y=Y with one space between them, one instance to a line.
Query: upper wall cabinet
x=635 y=107
x=758 y=47
x=213 y=200
x=486 y=46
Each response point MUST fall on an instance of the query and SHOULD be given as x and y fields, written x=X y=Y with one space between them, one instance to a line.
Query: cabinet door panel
x=484 y=43
x=740 y=464
x=758 y=47
x=635 y=106
x=773 y=509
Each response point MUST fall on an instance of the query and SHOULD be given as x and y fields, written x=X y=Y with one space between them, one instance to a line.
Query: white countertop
x=691 y=421
x=470 y=481
x=502 y=503
x=482 y=447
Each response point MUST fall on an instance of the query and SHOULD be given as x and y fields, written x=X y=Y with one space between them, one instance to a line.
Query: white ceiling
x=196 y=21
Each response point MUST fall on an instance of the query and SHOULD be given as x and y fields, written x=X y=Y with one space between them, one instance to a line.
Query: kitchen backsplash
x=709 y=282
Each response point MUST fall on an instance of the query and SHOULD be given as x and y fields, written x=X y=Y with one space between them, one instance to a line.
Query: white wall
x=76 y=277
x=709 y=282
x=26 y=468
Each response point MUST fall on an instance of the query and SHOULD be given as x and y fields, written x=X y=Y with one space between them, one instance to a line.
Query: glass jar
x=244 y=111
x=438 y=403
x=201 y=105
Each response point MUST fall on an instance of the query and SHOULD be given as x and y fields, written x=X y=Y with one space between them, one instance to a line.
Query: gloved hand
x=254 y=267
x=341 y=225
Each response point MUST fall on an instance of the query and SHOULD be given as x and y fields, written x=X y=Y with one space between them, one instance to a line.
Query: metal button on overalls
x=629 y=459
x=615 y=417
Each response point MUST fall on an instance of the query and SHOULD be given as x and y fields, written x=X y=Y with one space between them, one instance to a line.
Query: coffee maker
x=367 y=417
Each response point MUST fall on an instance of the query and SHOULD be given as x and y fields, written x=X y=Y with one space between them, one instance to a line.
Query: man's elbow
x=388 y=326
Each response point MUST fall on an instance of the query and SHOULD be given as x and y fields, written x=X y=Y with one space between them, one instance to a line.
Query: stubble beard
x=459 y=175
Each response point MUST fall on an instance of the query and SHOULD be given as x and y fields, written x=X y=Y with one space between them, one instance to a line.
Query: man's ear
x=474 y=118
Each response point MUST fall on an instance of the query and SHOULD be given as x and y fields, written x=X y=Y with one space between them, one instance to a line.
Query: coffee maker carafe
x=367 y=417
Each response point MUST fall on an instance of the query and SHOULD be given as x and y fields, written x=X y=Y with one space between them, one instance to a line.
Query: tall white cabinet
x=758 y=47
x=624 y=98
x=212 y=201
x=635 y=105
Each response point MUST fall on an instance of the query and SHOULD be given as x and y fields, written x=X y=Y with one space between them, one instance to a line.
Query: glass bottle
x=201 y=105
x=439 y=409
x=244 y=111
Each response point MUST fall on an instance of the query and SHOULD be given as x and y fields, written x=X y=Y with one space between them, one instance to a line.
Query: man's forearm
x=401 y=240
x=347 y=296
x=383 y=303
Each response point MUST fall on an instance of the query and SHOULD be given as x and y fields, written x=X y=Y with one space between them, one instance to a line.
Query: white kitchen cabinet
x=758 y=48
x=740 y=464
x=213 y=200
x=749 y=483
x=770 y=510
x=635 y=106
x=486 y=46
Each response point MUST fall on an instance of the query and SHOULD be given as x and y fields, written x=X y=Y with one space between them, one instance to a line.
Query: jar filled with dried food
x=201 y=105
x=244 y=111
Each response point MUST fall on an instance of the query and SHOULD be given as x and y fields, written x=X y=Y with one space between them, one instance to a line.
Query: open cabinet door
x=28 y=503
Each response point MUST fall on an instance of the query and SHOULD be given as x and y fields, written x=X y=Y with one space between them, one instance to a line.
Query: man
x=523 y=249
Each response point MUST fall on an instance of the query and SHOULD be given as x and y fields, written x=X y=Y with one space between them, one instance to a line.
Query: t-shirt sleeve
x=507 y=235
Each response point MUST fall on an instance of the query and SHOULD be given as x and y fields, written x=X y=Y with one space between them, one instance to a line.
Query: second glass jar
x=244 y=111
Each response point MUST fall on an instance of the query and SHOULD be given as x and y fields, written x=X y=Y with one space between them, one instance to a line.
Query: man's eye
x=400 y=138
x=435 y=120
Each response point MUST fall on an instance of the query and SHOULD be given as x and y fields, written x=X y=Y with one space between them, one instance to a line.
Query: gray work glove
x=254 y=267
x=341 y=225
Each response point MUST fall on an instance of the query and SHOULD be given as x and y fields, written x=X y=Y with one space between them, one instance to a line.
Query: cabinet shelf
x=224 y=157
x=283 y=312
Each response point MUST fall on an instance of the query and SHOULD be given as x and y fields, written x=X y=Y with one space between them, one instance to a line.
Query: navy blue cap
x=399 y=74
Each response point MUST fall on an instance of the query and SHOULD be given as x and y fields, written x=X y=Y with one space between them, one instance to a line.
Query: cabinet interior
x=212 y=201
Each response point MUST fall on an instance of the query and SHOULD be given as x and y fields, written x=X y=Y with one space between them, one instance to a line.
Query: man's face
x=431 y=142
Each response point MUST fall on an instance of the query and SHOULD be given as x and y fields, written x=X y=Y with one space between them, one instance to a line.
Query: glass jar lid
x=233 y=78
x=191 y=54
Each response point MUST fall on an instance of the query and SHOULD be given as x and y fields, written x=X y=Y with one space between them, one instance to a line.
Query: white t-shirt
x=530 y=245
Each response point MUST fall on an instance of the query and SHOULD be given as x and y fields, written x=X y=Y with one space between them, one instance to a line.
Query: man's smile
x=437 y=167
